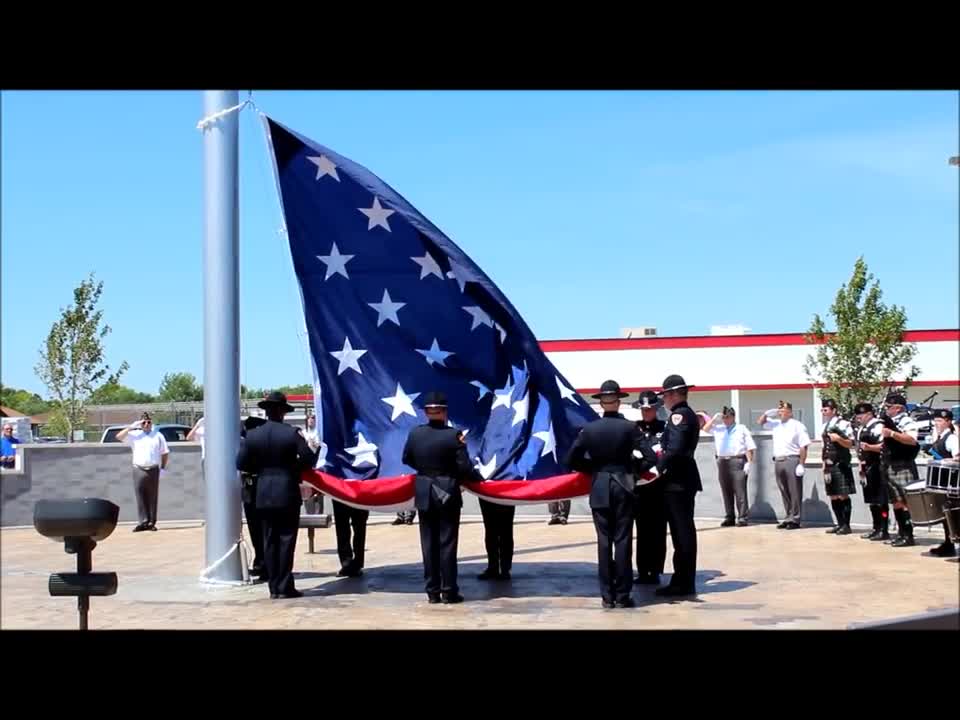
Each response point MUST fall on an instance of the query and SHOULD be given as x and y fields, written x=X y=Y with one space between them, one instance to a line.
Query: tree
x=179 y=387
x=866 y=353
x=57 y=426
x=72 y=357
x=22 y=400
x=116 y=394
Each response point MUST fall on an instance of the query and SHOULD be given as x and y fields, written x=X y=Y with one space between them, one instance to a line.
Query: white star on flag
x=336 y=263
x=428 y=266
x=364 y=452
x=348 y=357
x=325 y=166
x=387 y=309
x=459 y=273
x=401 y=403
x=503 y=333
x=549 y=442
x=482 y=388
x=435 y=354
x=377 y=215
x=479 y=317
x=520 y=408
x=486 y=470
x=322 y=456
x=565 y=392
x=502 y=397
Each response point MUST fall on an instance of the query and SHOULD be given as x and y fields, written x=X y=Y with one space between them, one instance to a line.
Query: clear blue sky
x=577 y=204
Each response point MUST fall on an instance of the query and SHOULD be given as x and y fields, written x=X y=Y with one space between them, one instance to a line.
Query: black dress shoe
x=834 y=530
x=152 y=527
x=870 y=535
x=945 y=550
x=906 y=541
x=844 y=530
x=398 y=521
x=626 y=603
x=409 y=521
x=563 y=521
x=792 y=526
x=647 y=579
x=140 y=528
x=553 y=521
x=452 y=599
x=488 y=574
x=882 y=537
x=287 y=595
x=729 y=522
x=782 y=525
x=607 y=604
x=675 y=591
x=433 y=598
x=742 y=523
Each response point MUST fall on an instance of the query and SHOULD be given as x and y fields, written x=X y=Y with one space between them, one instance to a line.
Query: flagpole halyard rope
x=209 y=120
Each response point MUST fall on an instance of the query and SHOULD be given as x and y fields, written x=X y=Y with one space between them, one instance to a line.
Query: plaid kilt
x=898 y=479
x=838 y=480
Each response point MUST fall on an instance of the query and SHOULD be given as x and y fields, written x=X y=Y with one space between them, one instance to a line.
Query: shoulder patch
x=676 y=418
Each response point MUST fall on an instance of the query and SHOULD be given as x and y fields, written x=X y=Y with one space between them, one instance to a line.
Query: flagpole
x=221 y=331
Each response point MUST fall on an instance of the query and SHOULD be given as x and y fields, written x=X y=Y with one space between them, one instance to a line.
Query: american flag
x=395 y=309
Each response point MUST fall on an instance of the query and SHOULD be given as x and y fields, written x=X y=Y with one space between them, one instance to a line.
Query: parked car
x=171 y=432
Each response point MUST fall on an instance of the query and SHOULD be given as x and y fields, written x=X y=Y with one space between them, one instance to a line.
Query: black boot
x=838 y=513
x=846 y=510
x=875 y=514
x=906 y=529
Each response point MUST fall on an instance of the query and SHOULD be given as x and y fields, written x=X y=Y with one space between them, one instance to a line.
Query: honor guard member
x=650 y=516
x=734 y=448
x=681 y=483
x=790 y=443
x=351 y=555
x=900 y=449
x=946 y=446
x=248 y=494
x=869 y=450
x=837 y=472
x=277 y=454
x=608 y=449
x=438 y=454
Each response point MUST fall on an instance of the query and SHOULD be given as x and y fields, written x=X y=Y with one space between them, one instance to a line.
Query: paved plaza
x=755 y=577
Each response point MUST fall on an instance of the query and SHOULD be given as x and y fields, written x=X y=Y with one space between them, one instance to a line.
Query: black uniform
x=874 y=485
x=838 y=473
x=651 y=517
x=439 y=457
x=498 y=539
x=681 y=483
x=248 y=494
x=277 y=454
x=351 y=556
x=604 y=448
x=900 y=469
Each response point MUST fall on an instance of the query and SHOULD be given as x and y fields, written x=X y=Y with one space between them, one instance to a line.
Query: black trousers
x=651 y=529
x=280 y=528
x=615 y=532
x=498 y=535
x=146 y=487
x=439 y=534
x=683 y=533
x=255 y=528
x=343 y=517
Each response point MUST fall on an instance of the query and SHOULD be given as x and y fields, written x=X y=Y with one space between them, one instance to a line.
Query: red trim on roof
x=704 y=341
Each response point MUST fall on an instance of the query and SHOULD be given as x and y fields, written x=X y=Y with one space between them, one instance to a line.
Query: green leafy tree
x=117 y=394
x=23 y=401
x=866 y=352
x=57 y=425
x=72 y=357
x=179 y=387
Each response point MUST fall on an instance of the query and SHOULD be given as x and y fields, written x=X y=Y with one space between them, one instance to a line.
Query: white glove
x=716 y=416
x=746 y=468
x=137 y=425
x=772 y=414
x=799 y=471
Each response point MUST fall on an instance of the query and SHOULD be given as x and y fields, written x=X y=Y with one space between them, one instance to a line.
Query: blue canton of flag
x=394 y=309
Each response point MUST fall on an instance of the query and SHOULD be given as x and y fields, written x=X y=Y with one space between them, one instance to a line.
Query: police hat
x=943 y=413
x=609 y=387
x=647 y=399
x=674 y=382
x=829 y=403
x=896 y=398
x=863 y=407
x=435 y=399
x=275 y=399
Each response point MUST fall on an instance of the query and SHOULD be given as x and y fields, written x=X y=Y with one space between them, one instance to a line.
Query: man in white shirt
x=734 y=448
x=790 y=442
x=150 y=455
x=312 y=436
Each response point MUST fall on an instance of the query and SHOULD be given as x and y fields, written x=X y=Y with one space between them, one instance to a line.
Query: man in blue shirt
x=8 y=450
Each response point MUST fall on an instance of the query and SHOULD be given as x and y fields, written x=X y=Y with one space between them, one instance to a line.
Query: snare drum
x=925 y=506
x=952 y=516
x=944 y=477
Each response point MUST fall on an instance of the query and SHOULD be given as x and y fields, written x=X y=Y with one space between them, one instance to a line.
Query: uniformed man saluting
x=837 y=472
x=681 y=483
x=606 y=449
x=438 y=454
x=277 y=454
x=651 y=519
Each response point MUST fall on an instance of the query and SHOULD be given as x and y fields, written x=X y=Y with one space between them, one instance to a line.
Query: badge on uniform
x=676 y=418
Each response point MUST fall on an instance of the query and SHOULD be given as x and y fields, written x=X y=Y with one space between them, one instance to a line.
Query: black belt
x=731 y=457
x=785 y=457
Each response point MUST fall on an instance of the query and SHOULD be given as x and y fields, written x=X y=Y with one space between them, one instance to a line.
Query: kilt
x=897 y=480
x=875 y=488
x=838 y=479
